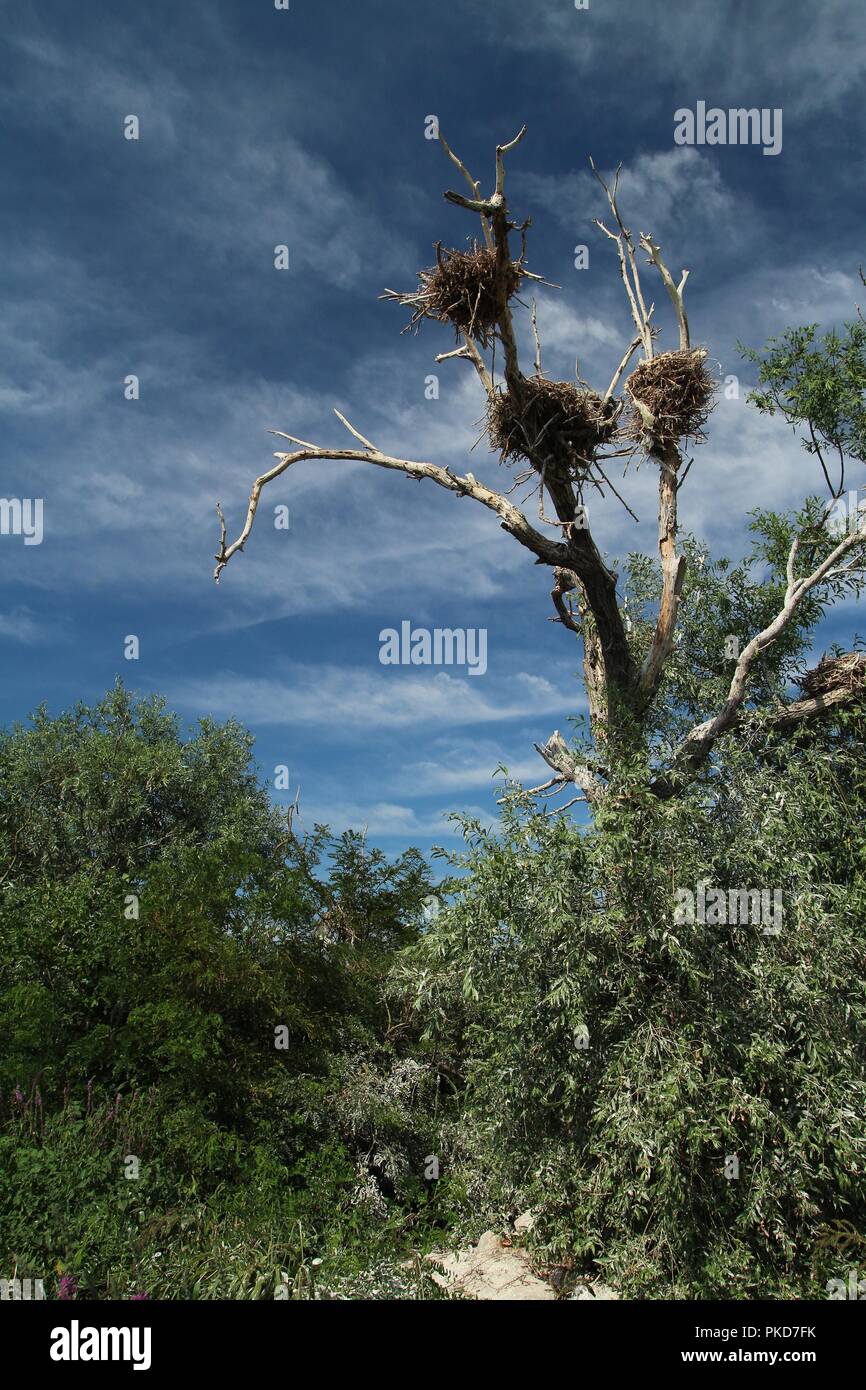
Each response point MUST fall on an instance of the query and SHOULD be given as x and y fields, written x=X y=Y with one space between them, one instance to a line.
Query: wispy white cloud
x=155 y=258
x=21 y=625
x=474 y=771
x=676 y=194
x=570 y=338
x=809 y=293
x=353 y=699
x=814 y=54
x=386 y=818
x=135 y=483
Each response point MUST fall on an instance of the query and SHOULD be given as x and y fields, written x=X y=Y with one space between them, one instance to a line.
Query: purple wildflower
x=68 y=1287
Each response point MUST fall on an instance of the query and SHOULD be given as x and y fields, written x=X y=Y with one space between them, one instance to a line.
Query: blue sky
x=155 y=257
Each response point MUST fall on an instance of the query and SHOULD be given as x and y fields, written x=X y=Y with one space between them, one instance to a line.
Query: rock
x=525 y=1221
x=588 y=1293
x=491 y=1271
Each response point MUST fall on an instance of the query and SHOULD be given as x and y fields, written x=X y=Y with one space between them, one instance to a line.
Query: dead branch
x=627 y=262
x=470 y=351
x=675 y=291
x=473 y=184
x=627 y=356
x=840 y=696
x=698 y=743
x=502 y=150
x=673 y=575
x=537 y=339
x=495 y=210
x=548 y=552
x=566 y=583
x=665 y=450
x=557 y=756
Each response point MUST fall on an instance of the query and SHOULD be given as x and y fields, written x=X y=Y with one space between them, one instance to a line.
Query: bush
x=183 y=982
x=684 y=1104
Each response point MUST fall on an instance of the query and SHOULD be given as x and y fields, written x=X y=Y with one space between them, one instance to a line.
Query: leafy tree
x=818 y=384
x=562 y=434
x=185 y=979
x=611 y=1055
x=650 y=1026
x=682 y=1102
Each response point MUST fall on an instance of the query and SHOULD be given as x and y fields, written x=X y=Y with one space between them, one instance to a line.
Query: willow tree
x=560 y=437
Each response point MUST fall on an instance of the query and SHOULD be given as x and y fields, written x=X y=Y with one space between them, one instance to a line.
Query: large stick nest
x=461 y=289
x=847 y=672
x=550 y=417
x=677 y=391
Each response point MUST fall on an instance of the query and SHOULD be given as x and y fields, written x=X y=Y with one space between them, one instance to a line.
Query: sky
x=305 y=127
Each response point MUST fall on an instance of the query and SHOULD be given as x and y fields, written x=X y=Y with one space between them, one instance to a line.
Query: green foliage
x=683 y=1103
x=819 y=383
x=209 y=1215
x=681 y=1100
x=704 y=1040
x=167 y=946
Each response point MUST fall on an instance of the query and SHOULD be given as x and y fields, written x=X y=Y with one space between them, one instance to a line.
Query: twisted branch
x=547 y=551
x=695 y=748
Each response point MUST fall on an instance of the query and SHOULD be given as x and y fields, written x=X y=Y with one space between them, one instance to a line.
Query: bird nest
x=554 y=417
x=461 y=289
x=834 y=673
x=676 y=391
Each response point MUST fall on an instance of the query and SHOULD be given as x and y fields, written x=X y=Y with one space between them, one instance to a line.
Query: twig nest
x=847 y=672
x=461 y=290
x=675 y=391
x=551 y=417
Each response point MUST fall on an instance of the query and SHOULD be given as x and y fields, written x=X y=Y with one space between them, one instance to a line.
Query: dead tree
x=560 y=434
